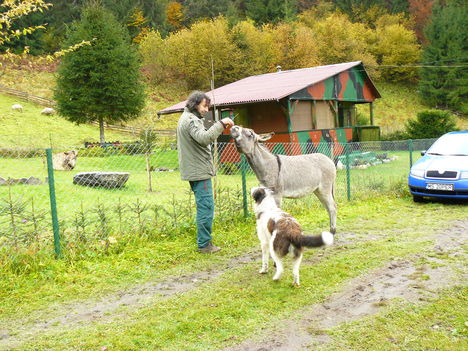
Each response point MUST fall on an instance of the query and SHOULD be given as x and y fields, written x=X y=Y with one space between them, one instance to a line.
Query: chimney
x=278 y=68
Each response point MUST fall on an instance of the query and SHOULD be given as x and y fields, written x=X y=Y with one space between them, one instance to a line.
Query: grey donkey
x=289 y=176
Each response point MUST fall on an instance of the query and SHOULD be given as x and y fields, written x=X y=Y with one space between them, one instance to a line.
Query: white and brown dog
x=280 y=233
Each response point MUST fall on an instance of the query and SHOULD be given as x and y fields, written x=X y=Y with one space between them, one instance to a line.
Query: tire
x=417 y=198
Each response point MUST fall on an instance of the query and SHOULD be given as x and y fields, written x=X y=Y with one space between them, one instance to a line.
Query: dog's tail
x=326 y=238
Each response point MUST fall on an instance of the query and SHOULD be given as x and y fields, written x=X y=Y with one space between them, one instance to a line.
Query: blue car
x=442 y=172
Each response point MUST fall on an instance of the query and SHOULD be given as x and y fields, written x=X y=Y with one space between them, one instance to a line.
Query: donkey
x=289 y=176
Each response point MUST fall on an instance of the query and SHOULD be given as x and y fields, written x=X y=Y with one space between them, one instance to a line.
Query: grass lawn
x=440 y=324
x=230 y=308
x=170 y=198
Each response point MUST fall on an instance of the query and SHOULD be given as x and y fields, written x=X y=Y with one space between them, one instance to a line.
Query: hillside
x=42 y=83
x=399 y=103
x=31 y=129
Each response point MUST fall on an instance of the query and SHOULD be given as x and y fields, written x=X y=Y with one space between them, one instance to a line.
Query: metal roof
x=268 y=87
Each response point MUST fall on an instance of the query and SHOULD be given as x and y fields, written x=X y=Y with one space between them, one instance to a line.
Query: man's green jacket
x=193 y=144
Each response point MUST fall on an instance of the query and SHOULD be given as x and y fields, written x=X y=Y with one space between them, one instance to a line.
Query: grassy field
x=33 y=130
x=94 y=210
x=43 y=83
x=229 y=308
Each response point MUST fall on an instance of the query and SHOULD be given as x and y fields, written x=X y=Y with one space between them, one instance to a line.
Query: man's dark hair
x=195 y=99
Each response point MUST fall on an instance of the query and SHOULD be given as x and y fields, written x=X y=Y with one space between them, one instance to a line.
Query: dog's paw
x=296 y=285
x=263 y=271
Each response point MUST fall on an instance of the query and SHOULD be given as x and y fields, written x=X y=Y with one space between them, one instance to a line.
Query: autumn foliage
x=246 y=49
x=175 y=14
x=421 y=11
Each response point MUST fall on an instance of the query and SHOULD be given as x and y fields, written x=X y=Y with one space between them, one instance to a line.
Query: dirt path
x=364 y=296
x=109 y=307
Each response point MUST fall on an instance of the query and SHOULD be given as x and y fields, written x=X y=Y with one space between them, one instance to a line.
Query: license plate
x=438 y=186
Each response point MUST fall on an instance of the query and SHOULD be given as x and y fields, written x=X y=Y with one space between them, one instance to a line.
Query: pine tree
x=271 y=11
x=100 y=82
x=199 y=9
x=448 y=46
x=430 y=124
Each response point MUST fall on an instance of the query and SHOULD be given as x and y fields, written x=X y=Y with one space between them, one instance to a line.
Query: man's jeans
x=205 y=210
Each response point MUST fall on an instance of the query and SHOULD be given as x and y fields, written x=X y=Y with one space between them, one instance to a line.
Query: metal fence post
x=53 y=204
x=244 y=186
x=410 y=149
x=348 y=172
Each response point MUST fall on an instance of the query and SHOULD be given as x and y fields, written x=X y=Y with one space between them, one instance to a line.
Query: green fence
x=39 y=204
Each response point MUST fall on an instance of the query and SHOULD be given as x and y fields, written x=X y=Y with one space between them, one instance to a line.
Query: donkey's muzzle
x=235 y=131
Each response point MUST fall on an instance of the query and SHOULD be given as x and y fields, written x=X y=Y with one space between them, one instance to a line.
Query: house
x=307 y=106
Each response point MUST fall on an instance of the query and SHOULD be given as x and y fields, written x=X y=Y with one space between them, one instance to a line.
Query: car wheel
x=417 y=198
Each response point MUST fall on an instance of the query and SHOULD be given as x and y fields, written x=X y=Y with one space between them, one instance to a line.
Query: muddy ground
x=362 y=296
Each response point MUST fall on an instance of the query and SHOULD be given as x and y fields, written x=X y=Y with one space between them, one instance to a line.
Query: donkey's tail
x=326 y=238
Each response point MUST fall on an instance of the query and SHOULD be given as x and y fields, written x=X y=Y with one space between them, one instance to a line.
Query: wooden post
x=337 y=123
x=288 y=116
x=215 y=155
x=314 y=114
x=371 y=108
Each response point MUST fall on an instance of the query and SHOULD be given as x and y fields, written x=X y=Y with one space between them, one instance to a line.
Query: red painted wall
x=269 y=117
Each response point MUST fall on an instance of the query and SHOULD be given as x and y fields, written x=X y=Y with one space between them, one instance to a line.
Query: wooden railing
x=26 y=96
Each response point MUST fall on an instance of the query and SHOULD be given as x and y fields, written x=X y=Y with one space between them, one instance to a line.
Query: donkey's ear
x=265 y=136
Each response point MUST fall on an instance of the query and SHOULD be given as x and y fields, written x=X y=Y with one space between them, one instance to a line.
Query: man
x=196 y=162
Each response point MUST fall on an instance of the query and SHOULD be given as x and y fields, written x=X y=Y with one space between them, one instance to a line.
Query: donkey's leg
x=325 y=195
x=278 y=199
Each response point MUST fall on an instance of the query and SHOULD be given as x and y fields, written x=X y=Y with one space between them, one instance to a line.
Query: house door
x=346 y=114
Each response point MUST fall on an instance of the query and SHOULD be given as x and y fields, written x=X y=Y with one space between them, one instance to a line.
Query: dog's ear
x=258 y=195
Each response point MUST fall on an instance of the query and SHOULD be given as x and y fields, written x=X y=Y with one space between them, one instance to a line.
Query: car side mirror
x=423 y=152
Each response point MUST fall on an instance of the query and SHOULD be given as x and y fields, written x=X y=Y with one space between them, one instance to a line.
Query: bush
x=431 y=124
x=397 y=135
x=21 y=152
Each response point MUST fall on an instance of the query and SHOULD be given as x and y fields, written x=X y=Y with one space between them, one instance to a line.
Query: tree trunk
x=148 y=170
x=102 y=139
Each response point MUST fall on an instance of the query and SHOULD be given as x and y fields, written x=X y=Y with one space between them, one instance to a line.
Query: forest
x=419 y=42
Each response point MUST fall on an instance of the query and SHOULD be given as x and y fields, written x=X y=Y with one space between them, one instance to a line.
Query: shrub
x=21 y=152
x=397 y=135
x=430 y=124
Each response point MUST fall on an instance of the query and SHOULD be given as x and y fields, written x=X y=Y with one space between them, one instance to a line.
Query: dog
x=280 y=233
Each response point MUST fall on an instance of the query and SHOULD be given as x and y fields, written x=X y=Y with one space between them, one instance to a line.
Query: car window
x=450 y=144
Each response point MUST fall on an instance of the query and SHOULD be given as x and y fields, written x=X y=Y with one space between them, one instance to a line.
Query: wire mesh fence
x=105 y=196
